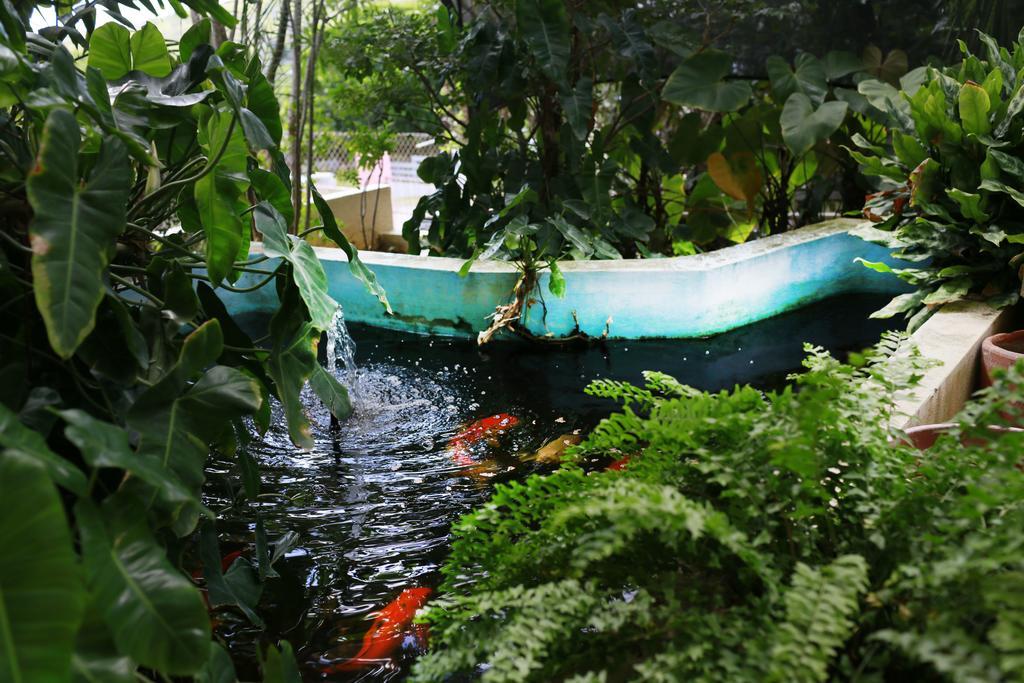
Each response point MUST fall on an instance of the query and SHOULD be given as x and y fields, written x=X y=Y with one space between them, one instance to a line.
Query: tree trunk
x=295 y=118
x=279 y=40
x=316 y=36
x=549 y=118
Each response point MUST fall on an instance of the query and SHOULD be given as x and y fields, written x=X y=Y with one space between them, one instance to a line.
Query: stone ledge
x=953 y=336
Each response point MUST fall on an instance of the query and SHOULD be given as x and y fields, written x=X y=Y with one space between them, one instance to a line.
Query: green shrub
x=634 y=136
x=751 y=537
x=949 y=186
x=132 y=180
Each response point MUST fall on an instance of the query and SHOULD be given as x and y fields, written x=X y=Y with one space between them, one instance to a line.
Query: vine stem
x=210 y=165
x=138 y=290
x=15 y=243
x=239 y=290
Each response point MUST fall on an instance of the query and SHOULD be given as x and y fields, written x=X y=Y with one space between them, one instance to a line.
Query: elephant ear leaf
x=42 y=598
x=700 y=82
x=149 y=51
x=807 y=76
x=74 y=228
x=803 y=126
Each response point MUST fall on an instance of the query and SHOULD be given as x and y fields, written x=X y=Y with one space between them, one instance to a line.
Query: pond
x=373 y=503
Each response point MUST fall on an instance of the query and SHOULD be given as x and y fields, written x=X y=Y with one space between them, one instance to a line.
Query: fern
x=955 y=655
x=820 y=607
x=753 y=537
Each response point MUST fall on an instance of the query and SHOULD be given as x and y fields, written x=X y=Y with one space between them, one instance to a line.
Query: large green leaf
x=700 y=82
x=293 y=359
x=180 y=298
x=1013 y=110
x=996 y=186
x=154 y=612
x=839 y=63
x=74 y=228
x=197 y=34
x=115 y=51
x=307 y=271
x=263 y=103
x=269 y=187
x=163 y=428
x=884 y=97
x=692 y=142
x=110 y=51
x=544 y=27
x=96 y=659
x=970 y=204
x=219 y=194
x=42 y=598
x=105 y=445
x=149 y=51
x=16 y=437
x=256 y=132
x=176 y=421
x=806 y=76
x=1009 y=163
x=357 y=267
x=803 y=126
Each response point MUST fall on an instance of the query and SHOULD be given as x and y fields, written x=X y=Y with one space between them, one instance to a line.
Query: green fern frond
x=820 y=608
x=951 y=653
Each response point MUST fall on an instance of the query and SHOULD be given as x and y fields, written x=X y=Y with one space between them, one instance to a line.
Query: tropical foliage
x=588 y=130
x=948 y=194
x=741 y=536
x=133 y=177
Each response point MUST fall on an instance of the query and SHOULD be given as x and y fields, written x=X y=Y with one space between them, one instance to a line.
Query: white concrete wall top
x=696 y=262
x=952 y=336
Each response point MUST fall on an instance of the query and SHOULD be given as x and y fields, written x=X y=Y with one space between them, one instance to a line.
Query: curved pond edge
x=678 y=297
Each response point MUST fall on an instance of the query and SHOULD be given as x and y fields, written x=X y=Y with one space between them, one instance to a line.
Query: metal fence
x=330 y=154
x=397 y=168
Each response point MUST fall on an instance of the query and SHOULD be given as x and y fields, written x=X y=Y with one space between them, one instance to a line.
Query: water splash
x=341 y=348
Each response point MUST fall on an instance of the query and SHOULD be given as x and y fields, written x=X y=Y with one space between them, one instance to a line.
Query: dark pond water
x=373 y=503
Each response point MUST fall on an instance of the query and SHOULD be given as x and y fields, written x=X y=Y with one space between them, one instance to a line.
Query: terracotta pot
x=923 y=437
x=1000 y=351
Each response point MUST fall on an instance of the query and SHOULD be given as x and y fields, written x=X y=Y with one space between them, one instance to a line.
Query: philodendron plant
x=132 y=177
x=949 y=187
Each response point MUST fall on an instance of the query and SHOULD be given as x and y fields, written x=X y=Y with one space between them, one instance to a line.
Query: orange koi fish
x=484 y=428
x=387 y=631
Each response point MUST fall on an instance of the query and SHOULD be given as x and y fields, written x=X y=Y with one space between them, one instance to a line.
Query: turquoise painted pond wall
x=685 y=296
